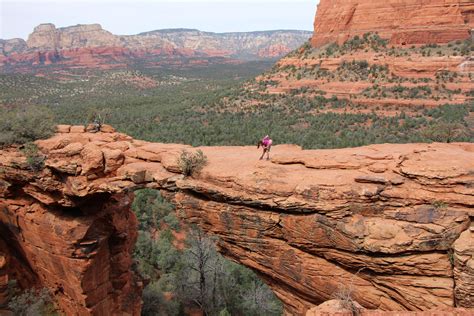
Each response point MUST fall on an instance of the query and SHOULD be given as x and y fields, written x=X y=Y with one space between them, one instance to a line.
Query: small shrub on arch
x=191 y=163
x=34 y=158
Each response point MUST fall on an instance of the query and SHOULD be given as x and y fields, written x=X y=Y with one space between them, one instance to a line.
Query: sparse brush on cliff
x=344 y=296
x=34 y=159
x=191 y=163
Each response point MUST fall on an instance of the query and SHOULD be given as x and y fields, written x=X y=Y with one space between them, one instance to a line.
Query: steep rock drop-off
x=387 y=221
x=404 y=22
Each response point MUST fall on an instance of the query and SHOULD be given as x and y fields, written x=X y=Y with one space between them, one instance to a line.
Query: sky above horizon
x=18 y=18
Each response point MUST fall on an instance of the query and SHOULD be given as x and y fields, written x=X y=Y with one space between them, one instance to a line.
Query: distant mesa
x=47 y=36
x=82 y=46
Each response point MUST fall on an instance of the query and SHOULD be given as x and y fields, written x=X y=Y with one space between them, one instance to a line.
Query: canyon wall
x=390 y=222
x=404 y=22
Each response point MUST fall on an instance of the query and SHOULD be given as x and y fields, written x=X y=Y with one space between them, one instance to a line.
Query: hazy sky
x=19 y=17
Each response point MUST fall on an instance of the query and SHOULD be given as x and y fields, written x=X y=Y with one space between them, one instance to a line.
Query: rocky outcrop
x=90 y=46
x=404 y=22
x=80 y=249
x=47 y=37
x=388 y=223
x=84 y=260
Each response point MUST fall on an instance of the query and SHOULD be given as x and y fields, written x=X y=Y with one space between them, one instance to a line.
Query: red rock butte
x=404 y=22
x=392 y=222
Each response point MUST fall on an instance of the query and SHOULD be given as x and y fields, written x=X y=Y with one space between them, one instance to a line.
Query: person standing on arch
x=266 y=144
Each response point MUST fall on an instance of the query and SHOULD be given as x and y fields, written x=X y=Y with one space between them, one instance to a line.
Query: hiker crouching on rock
x=266 y=143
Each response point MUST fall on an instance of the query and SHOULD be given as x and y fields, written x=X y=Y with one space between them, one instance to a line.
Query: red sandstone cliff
x=320 y=69
x=401 y=21
x=393 y=222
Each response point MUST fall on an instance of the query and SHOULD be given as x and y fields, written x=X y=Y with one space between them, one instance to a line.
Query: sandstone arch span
x=394 y=221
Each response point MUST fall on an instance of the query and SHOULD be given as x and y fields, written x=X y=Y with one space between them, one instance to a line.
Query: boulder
x=92 y=159
x=114 y=158
x=107 y=129
x=77 y=129
x=63 y=128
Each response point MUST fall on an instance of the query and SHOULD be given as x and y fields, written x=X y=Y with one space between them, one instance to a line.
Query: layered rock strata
x=413 y=73
x=404 y=22
x=389 y=223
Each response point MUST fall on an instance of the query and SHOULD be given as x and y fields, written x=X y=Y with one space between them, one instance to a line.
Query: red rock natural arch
x=391 y=221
